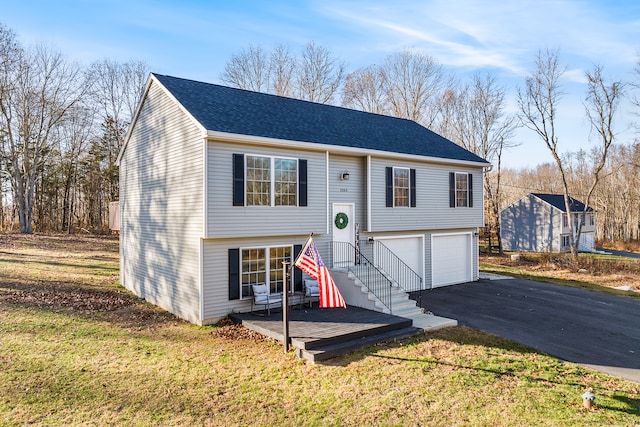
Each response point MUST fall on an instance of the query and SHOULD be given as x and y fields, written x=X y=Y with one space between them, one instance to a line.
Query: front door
x=344 y=234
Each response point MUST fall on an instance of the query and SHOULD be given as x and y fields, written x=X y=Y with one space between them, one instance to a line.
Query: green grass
x=128 y=363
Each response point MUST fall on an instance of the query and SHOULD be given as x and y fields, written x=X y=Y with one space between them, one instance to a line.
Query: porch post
x=285 y=304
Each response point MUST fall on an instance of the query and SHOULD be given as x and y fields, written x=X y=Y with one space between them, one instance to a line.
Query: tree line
x=62 y=126
x=474 y=114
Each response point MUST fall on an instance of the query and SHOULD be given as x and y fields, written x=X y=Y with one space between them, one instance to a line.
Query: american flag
x=310 y=262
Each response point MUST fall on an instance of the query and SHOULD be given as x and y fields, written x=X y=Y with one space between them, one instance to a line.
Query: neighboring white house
x=539 y=223
x=219 y=185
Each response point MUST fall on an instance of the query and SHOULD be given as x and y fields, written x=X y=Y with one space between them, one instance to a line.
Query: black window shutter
x=389 y=186
x=302 y=182
x=412 y=187
x=297 y=273
x=238 y=180
x=452 y=189
x=234 y=274
x=470 y=181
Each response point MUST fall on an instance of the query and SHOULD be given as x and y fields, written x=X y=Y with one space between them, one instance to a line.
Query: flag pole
x=285 y=304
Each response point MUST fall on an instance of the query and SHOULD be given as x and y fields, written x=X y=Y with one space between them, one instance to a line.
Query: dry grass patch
x=591 y=269
x=65 y=363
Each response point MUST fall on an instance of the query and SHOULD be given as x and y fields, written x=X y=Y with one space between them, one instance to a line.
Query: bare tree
x=11 y=54
x=414 y=81
x=282 y=65
x=37 y=92
x=364 y=89
x=116 y=91
x=75 y=134
x=484 y=129
x=248 y=70
x=537 y=102
x=601 y=106
x=319 y=75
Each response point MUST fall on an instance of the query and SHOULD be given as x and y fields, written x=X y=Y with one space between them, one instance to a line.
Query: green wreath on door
x=341 y=220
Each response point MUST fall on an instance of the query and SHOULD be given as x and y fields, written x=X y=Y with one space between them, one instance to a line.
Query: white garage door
x=450 y=259
x=409 y=249
x=587 y=242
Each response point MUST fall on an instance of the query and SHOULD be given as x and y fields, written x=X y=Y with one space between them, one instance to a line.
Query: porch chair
x=261 y=296
x=311 y=291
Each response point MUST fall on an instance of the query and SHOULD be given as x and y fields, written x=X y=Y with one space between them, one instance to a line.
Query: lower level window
x=263 y=266
x=566 y=242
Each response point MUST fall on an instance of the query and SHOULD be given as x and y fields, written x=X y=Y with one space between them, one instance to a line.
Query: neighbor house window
x=460 y=190
x=400 y=187
x=269 y=181
x=263 y=266
x=565 y=221
x=566 y=242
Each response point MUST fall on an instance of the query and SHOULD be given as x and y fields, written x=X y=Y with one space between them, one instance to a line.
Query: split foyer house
x=539 y=223
x=218 y=186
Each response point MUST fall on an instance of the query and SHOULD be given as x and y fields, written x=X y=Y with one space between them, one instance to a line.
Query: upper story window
x=565 y=220
x=400 y=187
x=269 y=181
x=460 y=190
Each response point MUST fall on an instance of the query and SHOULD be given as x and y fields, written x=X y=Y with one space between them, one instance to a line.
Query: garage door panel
x=451 y=259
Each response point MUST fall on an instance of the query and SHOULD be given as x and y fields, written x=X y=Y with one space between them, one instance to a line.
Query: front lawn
x=78 y=349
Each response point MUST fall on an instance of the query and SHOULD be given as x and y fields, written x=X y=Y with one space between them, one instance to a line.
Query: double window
x=269 y=181
x=400 y=187
x=460 y=190
x=261 y=265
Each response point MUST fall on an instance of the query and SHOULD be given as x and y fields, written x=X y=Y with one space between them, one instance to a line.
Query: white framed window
x=566 y=241
x=271 y=181
x=462 y=190
x=401 y=187
x=263 y=266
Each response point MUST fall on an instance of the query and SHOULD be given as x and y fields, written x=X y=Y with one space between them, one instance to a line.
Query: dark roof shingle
x=225 y=109
x=557 y=201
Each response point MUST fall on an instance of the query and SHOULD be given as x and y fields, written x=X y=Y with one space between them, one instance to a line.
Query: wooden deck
x=319 y=334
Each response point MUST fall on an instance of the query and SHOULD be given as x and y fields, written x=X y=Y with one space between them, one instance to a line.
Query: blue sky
x=194 y=39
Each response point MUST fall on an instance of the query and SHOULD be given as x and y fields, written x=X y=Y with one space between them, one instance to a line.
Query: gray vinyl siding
x=215 y=273
x=161 y=196
x=353 y=190
x=432 y=209
x=226 y=220
x=530 y=224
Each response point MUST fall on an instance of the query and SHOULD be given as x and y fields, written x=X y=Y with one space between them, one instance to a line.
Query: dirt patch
x=233 y=331
x=64 y=296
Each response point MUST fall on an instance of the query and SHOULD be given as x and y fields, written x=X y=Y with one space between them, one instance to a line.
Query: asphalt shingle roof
x=225 y=109
x=557 y=201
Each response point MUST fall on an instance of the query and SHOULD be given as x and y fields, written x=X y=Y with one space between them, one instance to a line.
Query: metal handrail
x=347 y=256
x=403 y=275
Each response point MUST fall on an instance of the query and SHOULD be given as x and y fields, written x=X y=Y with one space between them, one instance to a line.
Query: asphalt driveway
x=596 y=330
